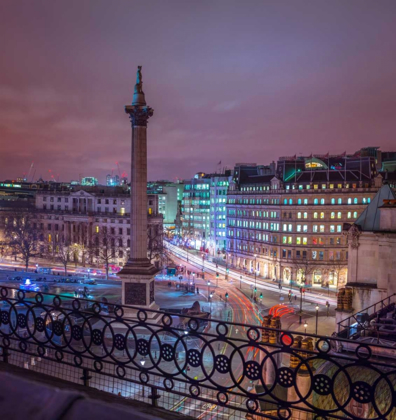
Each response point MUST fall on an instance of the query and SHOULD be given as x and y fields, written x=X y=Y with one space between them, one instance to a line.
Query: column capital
x=139 y=115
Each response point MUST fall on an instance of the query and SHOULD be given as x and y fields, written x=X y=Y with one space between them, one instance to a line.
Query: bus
x=44 y=270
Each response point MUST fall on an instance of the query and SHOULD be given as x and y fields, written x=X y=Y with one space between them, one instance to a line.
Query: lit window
x=316 y=201
x=305 y=215
x=314 y=228
x=298 y=240
x=322 y=228
x=315 y=215
x=305 y=241
x=339 y=228
x=340 y=201
x=289 y=240
x=97 y=229
x=332 y=215
x=333 y=201
x=299 y=215
x=332 y=228
x=349 y=200
x=322 y=215
x=355 y=215
x=355 y=201
x=339 y=215
x=322 y=201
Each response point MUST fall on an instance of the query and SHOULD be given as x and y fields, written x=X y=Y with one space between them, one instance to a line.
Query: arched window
x=316 y=201
x=322 y=201
x=355 y=201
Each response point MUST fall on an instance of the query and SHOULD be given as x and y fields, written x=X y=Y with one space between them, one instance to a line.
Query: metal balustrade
x=204 y=368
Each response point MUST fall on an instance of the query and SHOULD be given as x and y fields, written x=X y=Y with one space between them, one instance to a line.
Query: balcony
x=197 y=365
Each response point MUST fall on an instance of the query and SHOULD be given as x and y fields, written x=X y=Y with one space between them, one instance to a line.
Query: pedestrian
x=295 y=297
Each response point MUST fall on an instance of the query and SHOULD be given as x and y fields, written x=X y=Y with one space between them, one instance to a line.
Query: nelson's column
x=137 y=275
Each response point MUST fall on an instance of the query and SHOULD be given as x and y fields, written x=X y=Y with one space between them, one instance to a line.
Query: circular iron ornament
x=96 y=307
x=4 y=292
x=144 y=378
x=222 y=363
x=322 y=384
x=323 y=346
x=21 y=295
x=5 y=317
x=168 y=384
x=121 y=372
x=41 y=351
x=57 y=301
x=286 y=377
x=195 y=390
x=361 y=392
x=76 y=304
x=363 y=352
x=97 y=337
x=142 y=346
x=194 y=358
x=167 y=352
x=222 y=398
x=142 y=316
x=40 y=326
x=284 y=413
x=119 y=342
x=252 y=405
x=39 y=298
x=98 y=365
x=57 y=328
x=59 y=355
x=77 y=333
x=21 y=320
x=286 y=339
x=166 y=320
x=253 y=334
x=78 y=361
x=6 y=342
x=118 y=311
x=222 y=329
x=23 y=346
x=193 y=324
x=252 y=370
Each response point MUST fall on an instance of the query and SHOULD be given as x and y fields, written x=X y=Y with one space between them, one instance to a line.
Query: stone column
x=137 y=275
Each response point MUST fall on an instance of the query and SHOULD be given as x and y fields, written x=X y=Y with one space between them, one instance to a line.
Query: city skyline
x=299 y=78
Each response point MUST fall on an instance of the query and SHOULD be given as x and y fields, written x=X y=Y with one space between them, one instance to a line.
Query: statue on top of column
x=138 y=94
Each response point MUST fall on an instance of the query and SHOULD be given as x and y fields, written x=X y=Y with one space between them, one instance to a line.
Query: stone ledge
x=28 y=394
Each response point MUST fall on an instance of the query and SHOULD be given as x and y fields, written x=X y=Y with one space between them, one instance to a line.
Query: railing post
x=5 y=354
x=154 y=397
x=85 y=378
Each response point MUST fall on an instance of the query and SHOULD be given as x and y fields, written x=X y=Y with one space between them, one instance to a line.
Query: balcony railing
x=199 y=367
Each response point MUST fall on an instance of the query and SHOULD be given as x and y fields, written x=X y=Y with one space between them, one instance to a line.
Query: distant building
x=170 y=195
x=112 y=180
x=89 y=180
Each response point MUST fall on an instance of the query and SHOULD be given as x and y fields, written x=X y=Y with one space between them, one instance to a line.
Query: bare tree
x=106 y=249
x=22 y=237
x=305 y=266
x=60 y=251
x=336 y=266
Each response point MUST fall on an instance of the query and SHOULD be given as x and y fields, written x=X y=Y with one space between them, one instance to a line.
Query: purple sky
x=236 y=81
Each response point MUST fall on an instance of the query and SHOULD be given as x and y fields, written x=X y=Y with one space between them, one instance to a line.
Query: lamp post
x=305 y=326
x=327 y=307
x=226 y=272
x=208 y=289
x=317 y=316
x=210 y=302
x=301 y=304
x=255 y=273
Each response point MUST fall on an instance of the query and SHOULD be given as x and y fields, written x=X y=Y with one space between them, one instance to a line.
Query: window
x=321 y=255
x=332 y=228
x=321 y=228
x=314 y=255
x=333 y=201
x=349 y=200
x=339 y=228
x=315 y=215
x=305 y=228
x=298 y=240
x=298 y=254
x=305 y=241
x=339 y=215
x=298 y=227
x=322 y=201
x=349 y=215
x=305 y=215
x=290 y=227
x=355 y=214
x=322 y=215
x=332 y=215
x=355 y=201
x=120 y=231
x=331 y=255
x=340 y=201
x=299 y=201
x=314 y=228
x=290 y=201
x=299 y=215
x=316 y=201
x=284 y=239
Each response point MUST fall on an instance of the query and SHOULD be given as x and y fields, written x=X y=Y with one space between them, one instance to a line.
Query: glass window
x=298 y=240
x=305 y=215
x=322 y=228
x=284 y=239
x=314 y=228
x=305 y=241
x=349 y=200
x=332 y=215
x=299 y=201
x=332 y=228
x=322 y=201
x=355 y=201
x=298 y=228
x=339 y=228
x=315 y=215
x=316 y=201
x=299 y=215
x=333 y=201
x=339 y=201
x=305 y=228
x=322 y=215
x=290 y=201
x=349 y=215
x=355 y=214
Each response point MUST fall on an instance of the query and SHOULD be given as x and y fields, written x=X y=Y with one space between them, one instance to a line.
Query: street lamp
x=208 y=289
x=255 y=272
x=317 y=315
x=210 y=302
x=226 y=273
x=305 y=326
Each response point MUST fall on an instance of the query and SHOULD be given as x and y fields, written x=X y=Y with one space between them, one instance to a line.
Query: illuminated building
x=289 y=226
x=112 y=180
x=89 y=180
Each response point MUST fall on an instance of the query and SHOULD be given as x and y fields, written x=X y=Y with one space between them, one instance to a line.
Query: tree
x=336 y=266
x=60 y=251
x=305 y=266
x=106 y=249
x=22 y=237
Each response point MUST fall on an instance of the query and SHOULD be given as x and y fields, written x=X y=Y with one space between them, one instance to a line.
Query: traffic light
x=226 y=296
x=228 y=270
x=217 y=275
x=261 y=295
x=255 y=289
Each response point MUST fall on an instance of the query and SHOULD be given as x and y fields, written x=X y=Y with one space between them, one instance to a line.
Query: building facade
x=289 y=226
x=170 y=195
x=87 y=218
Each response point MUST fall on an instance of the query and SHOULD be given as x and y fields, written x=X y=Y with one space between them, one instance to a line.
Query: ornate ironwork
x=264 y=371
